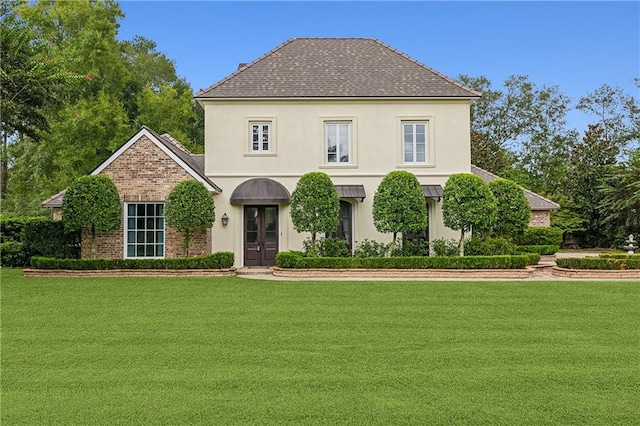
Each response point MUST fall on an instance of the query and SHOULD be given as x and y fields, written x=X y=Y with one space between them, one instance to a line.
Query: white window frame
x=251 y=121
x=135 y=243
x=414 y=142
x=260 y=134
x=338 y=152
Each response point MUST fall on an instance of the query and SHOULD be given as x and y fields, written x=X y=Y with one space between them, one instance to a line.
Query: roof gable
x=335 y=67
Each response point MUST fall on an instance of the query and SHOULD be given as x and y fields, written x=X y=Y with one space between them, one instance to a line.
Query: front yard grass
x=235 y=351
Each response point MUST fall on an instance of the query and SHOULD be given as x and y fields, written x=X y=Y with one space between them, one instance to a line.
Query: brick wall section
x=145 y=173
x=540 y=218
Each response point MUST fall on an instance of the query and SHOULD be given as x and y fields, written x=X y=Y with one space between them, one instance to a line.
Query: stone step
x=254 y=271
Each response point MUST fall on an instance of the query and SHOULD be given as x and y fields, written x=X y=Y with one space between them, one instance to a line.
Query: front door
x=260 y=235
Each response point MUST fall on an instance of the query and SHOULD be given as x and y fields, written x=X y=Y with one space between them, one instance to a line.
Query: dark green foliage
x=315 y=204
x=599 y=263
x=23 y=237
x=291 y=260
x=190 y=209
x=540 y=236
x=370 y=248
x=13 y=254
x=513 y=211
x=619 y=256
x=489 y=247
x=221 y=260
x=546 y=250
x=417 y=247
x=399 y=205
x=92 y=203
x=467 y=203
x=327 y=247
x=442 y=247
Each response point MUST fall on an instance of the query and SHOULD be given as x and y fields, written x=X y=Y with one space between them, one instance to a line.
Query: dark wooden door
x=260 y=235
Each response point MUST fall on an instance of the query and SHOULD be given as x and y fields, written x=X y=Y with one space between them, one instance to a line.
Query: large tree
x=92 y=204
x=399 y=205
x=314 y=205
x=467 y=202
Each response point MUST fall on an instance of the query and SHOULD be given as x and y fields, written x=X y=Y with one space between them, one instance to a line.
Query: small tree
x=513 y=212
x=315 y=204
x=467 y=202
x=190 y=209
x=399 y=205
x=92 y=204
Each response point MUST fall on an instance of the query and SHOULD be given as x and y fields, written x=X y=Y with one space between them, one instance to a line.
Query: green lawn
x=236 y=351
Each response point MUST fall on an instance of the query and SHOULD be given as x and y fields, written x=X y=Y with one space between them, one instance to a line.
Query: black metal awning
x=432 y=191
x=260 y=190
x=351 y=191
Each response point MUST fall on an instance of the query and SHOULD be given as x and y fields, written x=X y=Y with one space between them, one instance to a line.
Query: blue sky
x=576 y=45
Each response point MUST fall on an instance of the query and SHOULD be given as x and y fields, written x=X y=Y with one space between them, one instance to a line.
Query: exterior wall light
x=225 y=220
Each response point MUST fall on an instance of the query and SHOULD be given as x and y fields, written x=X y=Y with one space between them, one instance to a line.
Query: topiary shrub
x=490 y=246
x=513 y=212
x=190 y=209
x=546 y=250
x=220 y=260
x=540 y=236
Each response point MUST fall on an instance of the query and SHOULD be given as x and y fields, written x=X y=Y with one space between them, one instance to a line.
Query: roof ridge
x=438 y=73
x=175 y=142
x=244 y=68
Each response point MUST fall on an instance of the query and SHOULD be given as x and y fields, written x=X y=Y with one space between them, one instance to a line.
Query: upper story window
x=260 y=137
x=338 y=143
x=414 y=138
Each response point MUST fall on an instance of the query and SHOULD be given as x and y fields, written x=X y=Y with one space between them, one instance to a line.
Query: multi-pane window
x=260 y=137
x=414 y=137
x=145 y=230
x=337 y=147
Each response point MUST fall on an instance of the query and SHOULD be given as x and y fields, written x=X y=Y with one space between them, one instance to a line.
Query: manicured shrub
x=442 y=247
x=92 y=203
x=540 y=236
x=13 y=255
x=546 y=250
x=619 y=256
x=11 y=227
x=489 y=246
x=220 y=260
x=398 y=204
x=315 y=204
x=190 y=209
x=417 y=262
x=599 y=263
x=513 y=211
x=467 y=203
x=370 y=248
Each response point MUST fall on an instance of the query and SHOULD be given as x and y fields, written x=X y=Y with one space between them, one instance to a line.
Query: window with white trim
x=338 y=142
x=145 y=230
x=414 y=139
x=260 y=134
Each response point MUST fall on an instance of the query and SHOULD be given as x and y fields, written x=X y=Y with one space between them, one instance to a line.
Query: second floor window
x=338 y=141
x=414 y=138
x=260 y=137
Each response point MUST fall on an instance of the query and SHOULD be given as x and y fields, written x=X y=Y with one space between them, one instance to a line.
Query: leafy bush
x=546 y=250
x=489 y=247
x=411 y=248
x=370 y=248
x=540 y=236
x=619 y=256
x=599 y=263
x=220 y=260
x=442 y=247
x=13 y=255
x=289 y=260
x=513 y=213
x=327 y=247
x=11 y=227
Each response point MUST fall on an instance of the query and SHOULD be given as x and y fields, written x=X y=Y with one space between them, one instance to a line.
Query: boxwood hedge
x=296 y=261
x=599 y=263
x=220 y=260
x=546 y=249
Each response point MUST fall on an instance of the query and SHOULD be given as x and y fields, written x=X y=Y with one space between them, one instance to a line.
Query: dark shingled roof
x=335 y=67
x=432 y=191
x=536 y=202
x=351 y=191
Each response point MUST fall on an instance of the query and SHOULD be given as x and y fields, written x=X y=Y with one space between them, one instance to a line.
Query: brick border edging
x=596 y=274
x=68 y=273
x=529 y=272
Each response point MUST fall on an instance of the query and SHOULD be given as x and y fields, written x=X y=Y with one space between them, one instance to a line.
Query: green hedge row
x=599 y=263
x=296 y=261
x=619 y=256
x=546 y=249
x=220 y=260
x=540 y=236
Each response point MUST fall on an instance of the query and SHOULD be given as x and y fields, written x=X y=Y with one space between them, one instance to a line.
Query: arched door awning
x=260 y=190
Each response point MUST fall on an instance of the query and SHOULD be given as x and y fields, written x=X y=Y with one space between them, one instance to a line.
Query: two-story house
x=354 y=108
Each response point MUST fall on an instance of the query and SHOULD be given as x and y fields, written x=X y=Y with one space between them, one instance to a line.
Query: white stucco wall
x=299 y=141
